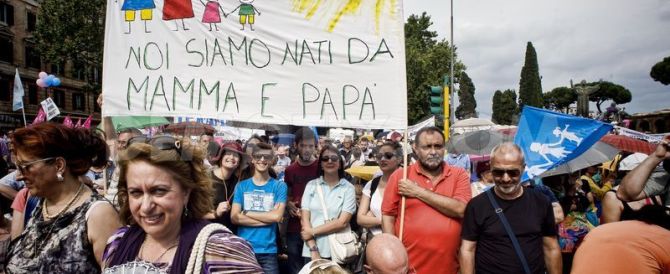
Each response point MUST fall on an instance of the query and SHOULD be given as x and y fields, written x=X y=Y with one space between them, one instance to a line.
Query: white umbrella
x=598 y=153
x=632 y=161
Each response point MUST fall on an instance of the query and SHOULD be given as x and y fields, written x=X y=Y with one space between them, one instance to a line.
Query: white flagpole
x=23 y=110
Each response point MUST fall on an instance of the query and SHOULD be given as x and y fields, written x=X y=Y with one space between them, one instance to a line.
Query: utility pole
x=451 y=72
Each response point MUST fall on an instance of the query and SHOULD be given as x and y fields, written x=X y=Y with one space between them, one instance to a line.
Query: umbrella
x=598 y=153
x=629 y=144
x=190 y=128
x=632 y=161
x=124 y=122
x=479 y=142
x=364 y=172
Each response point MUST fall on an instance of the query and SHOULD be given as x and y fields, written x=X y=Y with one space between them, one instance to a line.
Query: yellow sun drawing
x=341 y=8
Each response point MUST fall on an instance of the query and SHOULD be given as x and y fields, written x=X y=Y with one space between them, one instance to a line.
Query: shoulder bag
x=344 y=244
x=508 y=228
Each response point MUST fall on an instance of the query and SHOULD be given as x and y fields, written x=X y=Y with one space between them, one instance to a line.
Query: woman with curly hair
x=164 y=194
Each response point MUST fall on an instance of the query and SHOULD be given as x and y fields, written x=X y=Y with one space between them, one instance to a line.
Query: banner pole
x=404 y=177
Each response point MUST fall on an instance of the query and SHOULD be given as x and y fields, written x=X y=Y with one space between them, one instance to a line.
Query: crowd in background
x=73 y=204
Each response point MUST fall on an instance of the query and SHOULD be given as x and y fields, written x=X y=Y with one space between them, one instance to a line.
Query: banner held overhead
x=334 y=63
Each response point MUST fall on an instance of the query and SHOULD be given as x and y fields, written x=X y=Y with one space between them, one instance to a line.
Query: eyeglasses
x=262 y=156
x=25 y=167
x=385 y=155
x=332 y=158
x=498 y=172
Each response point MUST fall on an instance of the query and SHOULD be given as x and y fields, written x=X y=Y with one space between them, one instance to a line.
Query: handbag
x=197 y=257
x=344 y=244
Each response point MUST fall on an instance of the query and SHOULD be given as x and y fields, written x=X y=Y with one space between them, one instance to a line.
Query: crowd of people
x=169 y=204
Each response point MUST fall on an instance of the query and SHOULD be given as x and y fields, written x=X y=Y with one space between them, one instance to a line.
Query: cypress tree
x=466 y=98
x=530 y=85
x=496 y=107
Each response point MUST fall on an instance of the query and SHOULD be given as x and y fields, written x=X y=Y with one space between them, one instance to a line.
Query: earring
x=185 y=211
x=59 y=177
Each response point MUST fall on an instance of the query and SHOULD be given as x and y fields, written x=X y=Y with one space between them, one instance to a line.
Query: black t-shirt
x=223 y=191
x=530 y=216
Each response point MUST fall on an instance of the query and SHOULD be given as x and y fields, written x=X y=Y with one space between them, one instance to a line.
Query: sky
x=612 y=40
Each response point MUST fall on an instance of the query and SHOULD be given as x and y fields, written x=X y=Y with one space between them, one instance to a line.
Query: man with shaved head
x=486 y=246
x=386 y=254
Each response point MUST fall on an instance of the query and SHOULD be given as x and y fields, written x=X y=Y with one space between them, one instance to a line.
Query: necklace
x=157 y=260
x=69 y=204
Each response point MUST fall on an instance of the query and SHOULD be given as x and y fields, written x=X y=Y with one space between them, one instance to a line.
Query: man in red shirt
x=436 y=195
x=297 y=175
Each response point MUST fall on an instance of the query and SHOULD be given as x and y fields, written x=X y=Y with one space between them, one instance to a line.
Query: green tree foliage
x=560 y=99
x=71 y=31
x=661 y=71
x=427 y=61
x=530 y=85
x=609 y=91
x=505 y=108
x=466 y=98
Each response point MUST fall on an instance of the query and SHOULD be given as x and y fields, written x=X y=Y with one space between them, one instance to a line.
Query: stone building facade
x=18 y=19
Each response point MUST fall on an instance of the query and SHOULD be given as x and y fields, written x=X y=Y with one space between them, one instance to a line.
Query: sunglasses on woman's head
x=162 y=142
x=332 y=158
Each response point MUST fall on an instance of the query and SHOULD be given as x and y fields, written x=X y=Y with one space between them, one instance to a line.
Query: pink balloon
x=43 y=75
x=40 y=83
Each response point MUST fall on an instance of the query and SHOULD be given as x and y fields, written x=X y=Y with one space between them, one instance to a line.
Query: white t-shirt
x=375 y=204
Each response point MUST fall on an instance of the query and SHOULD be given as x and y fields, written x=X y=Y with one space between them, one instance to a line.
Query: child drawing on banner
x=556 y=150
x=211 y=14
x=565 y=134
x=247 y=13
x=178 y=10
x=146 y=11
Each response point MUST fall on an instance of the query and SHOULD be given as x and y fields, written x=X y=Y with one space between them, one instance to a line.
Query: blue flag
x=549 y=139
x=18 y=92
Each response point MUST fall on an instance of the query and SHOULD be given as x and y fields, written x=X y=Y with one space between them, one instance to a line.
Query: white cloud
x=613 y=40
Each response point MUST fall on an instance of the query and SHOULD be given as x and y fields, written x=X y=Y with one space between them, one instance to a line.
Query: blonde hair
x=323 y=266
x=184 y=163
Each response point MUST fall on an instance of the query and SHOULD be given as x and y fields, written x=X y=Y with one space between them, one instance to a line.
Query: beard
x=508 y=189
x=431 y=163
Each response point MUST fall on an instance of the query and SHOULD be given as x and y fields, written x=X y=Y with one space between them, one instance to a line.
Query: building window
x=96 y=107
x=5 y=90
x=32 y=94
x=79 y=72
x=59 y=98
x=32 y=57
x=6 y=14
x=32 y=21
x=6 y=49
x=78 y=100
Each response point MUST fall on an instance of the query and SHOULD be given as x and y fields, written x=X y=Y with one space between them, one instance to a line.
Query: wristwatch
x=314 y=248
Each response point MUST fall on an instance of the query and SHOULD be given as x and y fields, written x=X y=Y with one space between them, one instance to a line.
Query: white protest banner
x=50 y=108
x=414 y=129
x=637 y=135
x=336 y=63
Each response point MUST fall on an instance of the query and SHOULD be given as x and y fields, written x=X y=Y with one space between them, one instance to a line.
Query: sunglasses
x=385 y=156
x=497 y=172
x=332 y=158
x=25 y=167
x=261 y=156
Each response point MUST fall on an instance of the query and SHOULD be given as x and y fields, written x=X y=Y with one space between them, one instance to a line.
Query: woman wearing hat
x=225 y=178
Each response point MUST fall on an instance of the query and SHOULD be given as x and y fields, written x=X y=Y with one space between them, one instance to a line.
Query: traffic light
x=436 y=101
